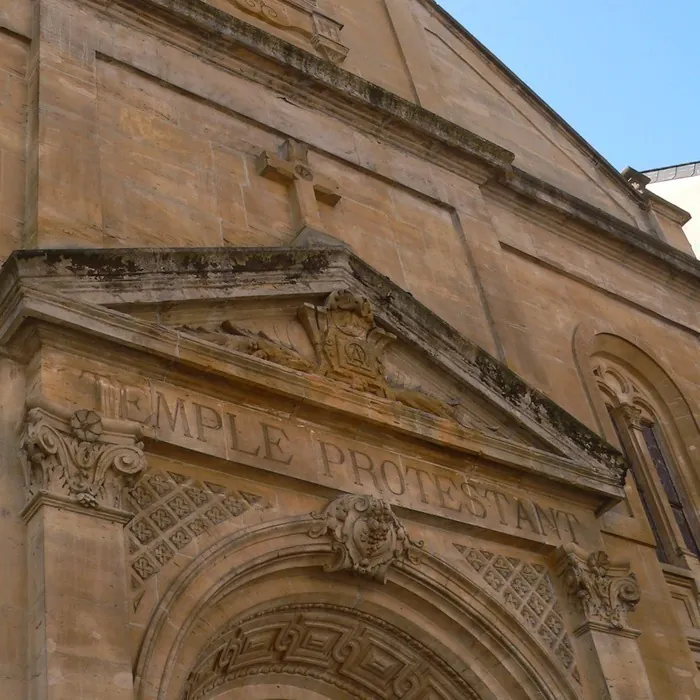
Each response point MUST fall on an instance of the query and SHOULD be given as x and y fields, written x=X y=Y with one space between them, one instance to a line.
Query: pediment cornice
x=90 y=293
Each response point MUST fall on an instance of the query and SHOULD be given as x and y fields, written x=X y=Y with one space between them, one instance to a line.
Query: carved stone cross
x=292 y=168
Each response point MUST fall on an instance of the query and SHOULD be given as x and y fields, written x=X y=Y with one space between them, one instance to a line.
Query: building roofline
x=596 y=157
x=674 y=172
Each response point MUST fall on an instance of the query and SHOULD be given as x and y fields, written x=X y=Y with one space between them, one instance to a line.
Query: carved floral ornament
x=348 y=346
x=303 y=18
x=602 y=591
x=366 y=536
x=75 y=458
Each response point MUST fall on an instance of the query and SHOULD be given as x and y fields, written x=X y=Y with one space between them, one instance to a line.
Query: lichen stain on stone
x=546 y=412
x=99 y=264
x=114 y=264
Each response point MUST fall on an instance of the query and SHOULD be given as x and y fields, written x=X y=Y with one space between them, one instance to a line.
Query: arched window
x=636 y=417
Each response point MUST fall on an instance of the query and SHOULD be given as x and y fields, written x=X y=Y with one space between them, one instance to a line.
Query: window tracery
x=636 y=418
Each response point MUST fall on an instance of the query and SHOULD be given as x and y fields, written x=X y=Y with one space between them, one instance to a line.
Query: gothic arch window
x=638 y=419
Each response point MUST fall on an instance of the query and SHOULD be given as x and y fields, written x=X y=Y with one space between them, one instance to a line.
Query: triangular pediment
x=314 y=323
x=480 y=93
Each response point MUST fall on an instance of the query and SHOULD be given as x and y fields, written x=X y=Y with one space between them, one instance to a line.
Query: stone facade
x=334 y=365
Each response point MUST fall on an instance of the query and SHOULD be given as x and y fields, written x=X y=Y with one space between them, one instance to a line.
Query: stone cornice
x=677 y=214
x=75 y=281
x=531 y=96
x=218 y=38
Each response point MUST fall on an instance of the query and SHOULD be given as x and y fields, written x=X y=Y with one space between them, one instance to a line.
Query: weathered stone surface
x=288 y=257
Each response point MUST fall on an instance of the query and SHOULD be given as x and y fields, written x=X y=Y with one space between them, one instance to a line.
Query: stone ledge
x=372 y=107
x=52 y=500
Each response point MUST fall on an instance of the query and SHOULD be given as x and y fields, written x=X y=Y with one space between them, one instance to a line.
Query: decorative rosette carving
x=602 y=591
x=74 y=457
x=366 y=536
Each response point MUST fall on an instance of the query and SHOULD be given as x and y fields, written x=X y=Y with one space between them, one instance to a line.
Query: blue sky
x=624 y=73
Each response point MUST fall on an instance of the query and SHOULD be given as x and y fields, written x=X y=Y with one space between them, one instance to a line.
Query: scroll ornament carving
x=256 y=344
x=76 y=458
x=602 y=591
x=367 y=537
x=348 y=345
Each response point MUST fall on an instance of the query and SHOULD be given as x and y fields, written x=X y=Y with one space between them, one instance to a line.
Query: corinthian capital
x=602 y=591
x=79 y=457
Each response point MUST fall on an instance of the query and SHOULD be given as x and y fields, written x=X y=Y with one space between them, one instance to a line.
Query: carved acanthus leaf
x=602 y=591
x=366 y=536
x=348 y=344
x=257 y=344
x=76 y=458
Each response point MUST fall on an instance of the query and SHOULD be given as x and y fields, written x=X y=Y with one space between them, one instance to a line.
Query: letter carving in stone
x=366 y=536
x=75 y=458
x=603 y=592
x=348 y=343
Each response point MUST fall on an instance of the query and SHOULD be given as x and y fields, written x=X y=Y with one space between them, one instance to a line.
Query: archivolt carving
x=602 y=591
x=363 y=655
x=366 y=536
x=274 y=563
x=173 y=510
x=77 y=459
x=526 y=589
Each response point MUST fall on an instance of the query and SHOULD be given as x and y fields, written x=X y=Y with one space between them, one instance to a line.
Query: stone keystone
x=366 y=536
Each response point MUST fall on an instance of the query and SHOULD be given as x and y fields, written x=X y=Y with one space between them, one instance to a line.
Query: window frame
x=630 y=411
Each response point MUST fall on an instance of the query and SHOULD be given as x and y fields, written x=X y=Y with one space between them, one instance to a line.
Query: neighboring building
x=320 y=338
x=680 y=184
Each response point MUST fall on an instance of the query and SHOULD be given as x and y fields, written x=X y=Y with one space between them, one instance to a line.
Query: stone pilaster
x=63 y=201
x=601 y=594
x=76 y=465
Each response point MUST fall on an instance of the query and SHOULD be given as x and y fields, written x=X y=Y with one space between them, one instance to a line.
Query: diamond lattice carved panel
x=172 y=510
x=527 y=590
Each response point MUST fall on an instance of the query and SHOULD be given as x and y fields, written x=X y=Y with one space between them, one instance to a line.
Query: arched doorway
x=332 y=650
x=256 y=616
x=270 y=691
